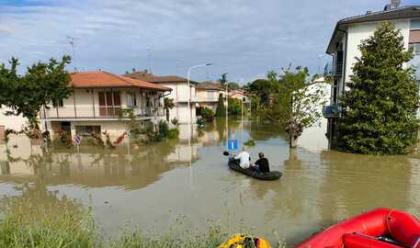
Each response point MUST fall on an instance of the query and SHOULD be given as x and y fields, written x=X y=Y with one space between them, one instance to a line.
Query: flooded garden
x=185 y=185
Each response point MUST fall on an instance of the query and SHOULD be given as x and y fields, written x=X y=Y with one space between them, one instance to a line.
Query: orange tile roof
x=103 y=79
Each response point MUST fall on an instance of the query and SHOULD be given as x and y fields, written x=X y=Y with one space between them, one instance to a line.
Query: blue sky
x=245 y=38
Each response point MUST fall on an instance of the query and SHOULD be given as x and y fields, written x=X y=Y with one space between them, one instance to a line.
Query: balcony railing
x=98 y=112
x=331 y=111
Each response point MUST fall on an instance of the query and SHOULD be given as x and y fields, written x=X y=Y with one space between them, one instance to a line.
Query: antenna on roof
x=72 y=42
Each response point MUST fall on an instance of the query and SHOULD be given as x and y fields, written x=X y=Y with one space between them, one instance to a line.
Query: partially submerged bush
x=207 y=114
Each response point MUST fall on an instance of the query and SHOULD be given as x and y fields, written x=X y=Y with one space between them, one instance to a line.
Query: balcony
x=98 y=113
x=331 y=111
x=337 y=69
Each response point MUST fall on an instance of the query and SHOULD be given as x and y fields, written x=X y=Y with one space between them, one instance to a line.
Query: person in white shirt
x=244 y=159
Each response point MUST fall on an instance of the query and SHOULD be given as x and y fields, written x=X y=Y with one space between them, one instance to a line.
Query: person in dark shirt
x=262 y=163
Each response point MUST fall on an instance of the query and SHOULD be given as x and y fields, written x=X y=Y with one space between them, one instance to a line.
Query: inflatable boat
x=380 y=228
x=269 y=176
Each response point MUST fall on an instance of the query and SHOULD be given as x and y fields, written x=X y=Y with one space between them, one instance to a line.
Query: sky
x=245 y=38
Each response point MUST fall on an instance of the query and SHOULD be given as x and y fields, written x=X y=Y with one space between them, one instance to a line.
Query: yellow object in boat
x=244 y=241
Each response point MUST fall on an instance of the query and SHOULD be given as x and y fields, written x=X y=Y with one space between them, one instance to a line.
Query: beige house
x=240 y=95
x=97 y=101
x=208 y=95
x=180 y=93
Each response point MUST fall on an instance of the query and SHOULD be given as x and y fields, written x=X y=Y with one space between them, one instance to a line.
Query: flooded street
x=155 y=186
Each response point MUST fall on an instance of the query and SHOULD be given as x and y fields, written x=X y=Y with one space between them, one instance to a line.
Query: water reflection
x=151 y=185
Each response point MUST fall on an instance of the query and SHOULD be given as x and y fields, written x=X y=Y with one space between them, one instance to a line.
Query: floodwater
x=153 y=186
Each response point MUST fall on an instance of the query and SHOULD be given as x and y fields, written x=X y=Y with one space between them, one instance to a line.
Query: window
x=88 y=130
x=131 y=99
x=211 y=95
x=59 y=103
x=415 y=24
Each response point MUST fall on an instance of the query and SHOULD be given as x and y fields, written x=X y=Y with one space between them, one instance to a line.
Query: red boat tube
x=404 y=228
x=363 y=231
x=362 y=241
x=371 y=223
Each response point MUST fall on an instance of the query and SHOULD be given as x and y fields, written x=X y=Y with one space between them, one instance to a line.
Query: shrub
x=175 y=121
x=235 y=106
x=207 y=114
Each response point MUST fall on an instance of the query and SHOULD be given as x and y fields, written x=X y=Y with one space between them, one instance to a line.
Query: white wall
x=12 y=121
x=314 y=138
x=180 y=95
x=359 y=32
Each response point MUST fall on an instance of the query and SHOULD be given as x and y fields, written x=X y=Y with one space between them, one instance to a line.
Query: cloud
x=243 y=37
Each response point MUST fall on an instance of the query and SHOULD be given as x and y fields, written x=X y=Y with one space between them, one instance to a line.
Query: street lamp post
x=190 y=119
x=189 y=86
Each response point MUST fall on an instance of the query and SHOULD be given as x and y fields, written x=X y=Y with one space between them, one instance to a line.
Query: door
x=109 y=103
x=102 y=104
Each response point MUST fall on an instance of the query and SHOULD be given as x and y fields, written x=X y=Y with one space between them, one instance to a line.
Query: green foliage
x=207 y=114
x=250 y=143
x=175 y=121
x=53 y=222
x=168 y=104
x=233 y=86
x=220 y=110
x=291 y=100
x=223 y=79
x=379 y=111
x=43 y=83
x=235 y=106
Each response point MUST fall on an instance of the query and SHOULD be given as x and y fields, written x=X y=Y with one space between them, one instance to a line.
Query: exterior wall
x=359 y=32
x=113 y=128
x=209 y=98
x=84 y=104
x=12 y=121
x=180 y=95
x=314 y=138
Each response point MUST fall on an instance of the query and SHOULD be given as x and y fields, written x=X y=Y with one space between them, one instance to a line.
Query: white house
x=180 y=93
x=348 y=35
x=97 y=102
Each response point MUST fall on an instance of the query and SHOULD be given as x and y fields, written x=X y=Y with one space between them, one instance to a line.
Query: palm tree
x=168 y=103
x=223 y=79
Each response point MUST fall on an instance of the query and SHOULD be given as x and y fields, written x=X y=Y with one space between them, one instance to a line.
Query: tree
x=223 y=79
x=220 y=110
x=379 y=110
x=304 y=97
x=235 y=106
x=233 y=86
x=42 y=84
x=168 y=104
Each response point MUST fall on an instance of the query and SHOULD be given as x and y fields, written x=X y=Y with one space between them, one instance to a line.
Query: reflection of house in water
x=13 y=153
x=94 y=167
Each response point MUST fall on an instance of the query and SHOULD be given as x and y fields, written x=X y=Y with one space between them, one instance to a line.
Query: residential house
x=240 y=95
x=97 y=101
x=208 y=95
x=348 y=35
x=180 y=93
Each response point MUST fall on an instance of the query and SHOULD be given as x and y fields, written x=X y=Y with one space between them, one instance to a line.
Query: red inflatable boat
x=380 y=228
